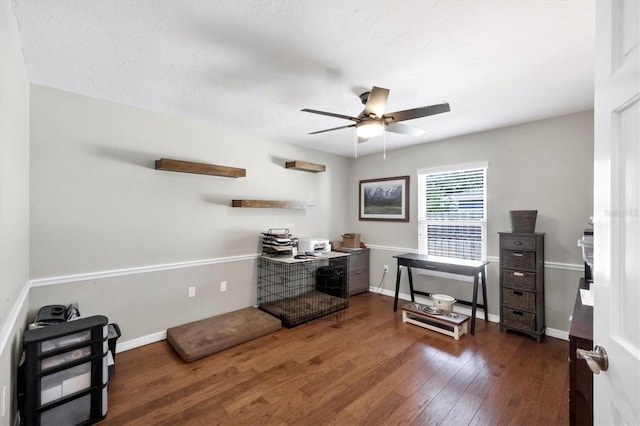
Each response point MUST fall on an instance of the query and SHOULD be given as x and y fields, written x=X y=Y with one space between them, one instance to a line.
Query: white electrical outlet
x=386 y=268
x=223 y=286
x=192 y=292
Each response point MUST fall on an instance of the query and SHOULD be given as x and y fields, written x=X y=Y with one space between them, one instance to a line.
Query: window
x=452 y=219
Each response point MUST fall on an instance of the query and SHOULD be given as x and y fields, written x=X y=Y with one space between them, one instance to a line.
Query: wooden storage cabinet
x=580 y=376
x=522 y=283
x=65 y=373
x=358 y=270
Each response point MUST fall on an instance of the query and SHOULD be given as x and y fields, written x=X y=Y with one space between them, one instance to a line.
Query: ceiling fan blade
x=331 y=114
x=404 y=129
x=335 y=128
x=410 y=114
x=377 y=102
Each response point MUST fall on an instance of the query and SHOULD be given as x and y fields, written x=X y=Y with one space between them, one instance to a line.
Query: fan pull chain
x=384 y=143
x=355 y=143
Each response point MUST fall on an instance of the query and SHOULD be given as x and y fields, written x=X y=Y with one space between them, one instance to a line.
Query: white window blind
x=452 y=212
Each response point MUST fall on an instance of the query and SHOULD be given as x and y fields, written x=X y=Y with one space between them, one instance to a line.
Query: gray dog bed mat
x=199 y=339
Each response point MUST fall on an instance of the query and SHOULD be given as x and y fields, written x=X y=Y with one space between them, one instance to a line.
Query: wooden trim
x=8 y=327
x=99 y=275
x=199 y=168
x=270 y=204
x=490 y=259
x=305 y=166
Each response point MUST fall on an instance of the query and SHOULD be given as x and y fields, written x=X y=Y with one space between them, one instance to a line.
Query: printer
x=313 y=245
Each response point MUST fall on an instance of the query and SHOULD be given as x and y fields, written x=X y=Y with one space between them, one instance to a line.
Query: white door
x=617 y=211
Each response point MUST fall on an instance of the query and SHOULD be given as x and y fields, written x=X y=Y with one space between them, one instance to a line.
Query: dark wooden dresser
x=580 y=376
x=522 y=283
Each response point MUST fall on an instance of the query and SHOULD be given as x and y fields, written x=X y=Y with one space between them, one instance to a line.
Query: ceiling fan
x=372 y=121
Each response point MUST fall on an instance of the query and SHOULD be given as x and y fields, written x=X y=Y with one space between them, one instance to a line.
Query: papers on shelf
x=586 y=296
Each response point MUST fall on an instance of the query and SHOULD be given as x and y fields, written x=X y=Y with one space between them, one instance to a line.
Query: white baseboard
x=558 y=334
x=551 y=332
x=8 y=325
x=162 y=335
x=420 y=299
x=141 y=341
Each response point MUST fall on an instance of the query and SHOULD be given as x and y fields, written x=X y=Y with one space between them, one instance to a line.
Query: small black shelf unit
x=65 y=373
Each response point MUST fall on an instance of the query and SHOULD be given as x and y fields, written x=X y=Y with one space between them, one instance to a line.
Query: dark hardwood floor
x=370 y=369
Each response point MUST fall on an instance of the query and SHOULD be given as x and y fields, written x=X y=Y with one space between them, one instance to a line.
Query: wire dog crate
x=301 y=291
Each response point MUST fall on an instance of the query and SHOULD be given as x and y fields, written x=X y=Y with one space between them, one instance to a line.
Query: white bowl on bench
x=443 y=302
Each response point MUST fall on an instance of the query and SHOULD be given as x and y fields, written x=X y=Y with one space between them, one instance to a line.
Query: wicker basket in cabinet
x=522 y=283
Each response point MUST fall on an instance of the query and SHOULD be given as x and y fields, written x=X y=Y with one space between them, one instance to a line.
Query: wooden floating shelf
x=199 y=168
x=271 y=204
x=305 y=166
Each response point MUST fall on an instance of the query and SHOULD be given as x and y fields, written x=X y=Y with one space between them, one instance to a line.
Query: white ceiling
x=252 y=65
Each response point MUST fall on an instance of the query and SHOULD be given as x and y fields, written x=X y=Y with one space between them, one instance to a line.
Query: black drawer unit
x=522 y=283
x=65 y=373
x=332 y=280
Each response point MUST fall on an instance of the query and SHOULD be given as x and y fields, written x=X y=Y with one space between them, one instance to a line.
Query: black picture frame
x=384 y=199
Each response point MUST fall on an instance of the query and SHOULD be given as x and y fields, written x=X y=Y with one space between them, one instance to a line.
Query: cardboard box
x=351 y=240
x=335 y=245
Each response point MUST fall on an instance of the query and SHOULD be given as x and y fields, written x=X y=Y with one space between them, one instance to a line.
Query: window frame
x=423 y=222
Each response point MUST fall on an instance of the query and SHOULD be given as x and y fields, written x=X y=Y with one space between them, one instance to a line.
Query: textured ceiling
x=252 y=65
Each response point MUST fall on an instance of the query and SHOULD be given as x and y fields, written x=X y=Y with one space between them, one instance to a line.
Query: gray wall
x=14 y=205
x=118 y=236
x=126 y=240
x=546 y=165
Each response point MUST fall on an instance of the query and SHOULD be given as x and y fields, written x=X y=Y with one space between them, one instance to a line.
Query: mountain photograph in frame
x=385 y=199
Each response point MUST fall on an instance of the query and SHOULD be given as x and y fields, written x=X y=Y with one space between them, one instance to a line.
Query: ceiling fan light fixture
x=369 y=129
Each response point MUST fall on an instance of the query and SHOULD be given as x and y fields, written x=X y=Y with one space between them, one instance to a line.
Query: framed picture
x=385 y=199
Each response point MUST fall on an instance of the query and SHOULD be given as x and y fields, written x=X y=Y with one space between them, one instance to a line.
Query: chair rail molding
x=40 y=282
x=10 y=321
x=491 y=259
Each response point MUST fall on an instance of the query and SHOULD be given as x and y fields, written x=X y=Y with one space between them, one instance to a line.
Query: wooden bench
x=199 y=339
x=452 y=324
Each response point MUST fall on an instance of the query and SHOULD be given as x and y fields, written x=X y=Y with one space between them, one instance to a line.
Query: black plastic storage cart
x=65 y=373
